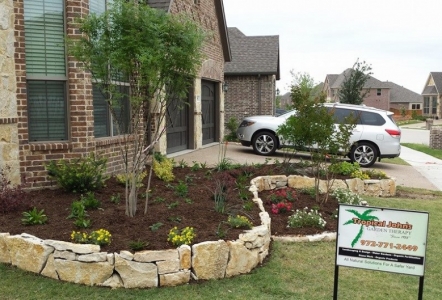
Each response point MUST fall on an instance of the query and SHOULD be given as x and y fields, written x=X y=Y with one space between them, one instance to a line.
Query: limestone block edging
x=86 y=264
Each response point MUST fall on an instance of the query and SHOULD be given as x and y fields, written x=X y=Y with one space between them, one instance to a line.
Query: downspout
x=259 y=94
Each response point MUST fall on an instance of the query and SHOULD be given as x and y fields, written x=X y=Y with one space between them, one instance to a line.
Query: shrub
x=345 y=196
x=100 y=237
x=239 y=222
x=78 y=211
x=82 y=223
x=163 y=167
x=360 y=174
x=79 y=175
x=138 y=245
x=281 y=207
x=11 y=198
x=181 y=189
x=306 y=218
x=89 y=201
x=183 y=237
x=344 y=168
x=232 y=126
x=121 y=178
x=282 y=195
x=34 y=217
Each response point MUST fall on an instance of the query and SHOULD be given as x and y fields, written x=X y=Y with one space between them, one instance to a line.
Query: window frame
x=45 y=76
x=378 y=92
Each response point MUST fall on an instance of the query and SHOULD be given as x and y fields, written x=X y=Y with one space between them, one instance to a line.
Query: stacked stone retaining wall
x=86 y=264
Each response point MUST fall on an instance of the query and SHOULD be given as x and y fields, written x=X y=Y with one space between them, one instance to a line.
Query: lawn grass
x=293 y=271
x=425 y=149
x=395 y=161
x=408 y=122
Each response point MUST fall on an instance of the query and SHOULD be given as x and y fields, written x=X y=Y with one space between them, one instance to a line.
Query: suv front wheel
x=365 y=154
x=264 y=143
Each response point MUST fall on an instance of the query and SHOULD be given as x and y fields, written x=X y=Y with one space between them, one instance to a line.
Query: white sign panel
x=382 y=239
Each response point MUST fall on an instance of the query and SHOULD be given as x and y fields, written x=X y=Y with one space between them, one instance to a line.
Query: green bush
x=163 y=167
x=34 y=217
x=232 y=126
x=344 y=168
x=79 y=175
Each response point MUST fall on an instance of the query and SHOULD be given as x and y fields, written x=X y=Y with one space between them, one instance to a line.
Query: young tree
x=144 y=55
x=313 y=129
x=352 y=89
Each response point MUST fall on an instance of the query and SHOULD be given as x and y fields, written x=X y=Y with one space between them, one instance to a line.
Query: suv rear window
x=369 y=118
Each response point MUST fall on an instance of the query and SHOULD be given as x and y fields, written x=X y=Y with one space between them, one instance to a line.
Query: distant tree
x=352 y=89
x=305 y=87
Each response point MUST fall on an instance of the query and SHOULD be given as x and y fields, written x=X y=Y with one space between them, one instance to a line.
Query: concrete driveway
x=213 y=153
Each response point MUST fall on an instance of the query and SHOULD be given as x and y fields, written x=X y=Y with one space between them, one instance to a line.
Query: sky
x=400 y=39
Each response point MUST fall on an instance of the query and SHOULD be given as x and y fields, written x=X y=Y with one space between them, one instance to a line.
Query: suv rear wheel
x=264 y=143
x=365 y=154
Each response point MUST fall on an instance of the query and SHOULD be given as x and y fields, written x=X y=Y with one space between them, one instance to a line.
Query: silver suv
x=375 y=136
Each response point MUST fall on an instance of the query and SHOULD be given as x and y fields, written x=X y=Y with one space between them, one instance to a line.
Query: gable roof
x=437 y=87
x=336 y=80
x=253 y=55
x=399 y=94
x=219 y=8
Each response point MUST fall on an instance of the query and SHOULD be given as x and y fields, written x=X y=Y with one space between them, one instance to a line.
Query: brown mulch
x=167 y=208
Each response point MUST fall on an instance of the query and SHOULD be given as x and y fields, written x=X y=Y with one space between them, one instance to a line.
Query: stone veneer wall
x=436 y=137
x=85 y=264
x=9 y=150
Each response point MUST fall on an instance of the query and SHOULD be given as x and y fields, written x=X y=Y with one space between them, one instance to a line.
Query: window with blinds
x=104 y=123
x=45 y=69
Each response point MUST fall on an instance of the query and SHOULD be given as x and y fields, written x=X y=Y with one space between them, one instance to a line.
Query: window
x=45 y=70
x=378 y=92
x=369 y=118
x=434 y=105
x=342 y=116
x=415 y=106
x=104 y=123
x=426 y=105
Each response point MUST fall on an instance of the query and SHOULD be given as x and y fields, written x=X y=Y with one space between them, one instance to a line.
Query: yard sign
x=381 y=239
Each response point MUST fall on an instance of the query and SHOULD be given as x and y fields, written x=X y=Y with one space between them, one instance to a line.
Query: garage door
x=177 y=120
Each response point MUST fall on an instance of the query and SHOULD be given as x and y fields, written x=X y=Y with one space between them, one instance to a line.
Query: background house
x=53 y=111
x=251 y=75
x=378 y=95
x=432 y=95
x=404 y=100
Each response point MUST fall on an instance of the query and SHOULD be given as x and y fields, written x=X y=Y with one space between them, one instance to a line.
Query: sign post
x=381 y=239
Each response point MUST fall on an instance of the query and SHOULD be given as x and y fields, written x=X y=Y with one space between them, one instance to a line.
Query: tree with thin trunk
x=146 y=57
x=353 y=89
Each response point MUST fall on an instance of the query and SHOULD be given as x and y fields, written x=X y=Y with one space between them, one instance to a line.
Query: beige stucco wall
x=9 y=159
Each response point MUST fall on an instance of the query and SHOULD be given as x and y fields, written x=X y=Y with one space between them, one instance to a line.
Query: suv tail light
x=394 y=133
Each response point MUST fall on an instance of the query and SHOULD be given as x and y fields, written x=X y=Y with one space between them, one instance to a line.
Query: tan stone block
x=83 y=273
x=28 y=252
x=241 y=259
x=136 y=274
x=209 y=259
x=158 y=255
x=185 y=254
x=4 y=252
x=174 y=279
x=49 y=269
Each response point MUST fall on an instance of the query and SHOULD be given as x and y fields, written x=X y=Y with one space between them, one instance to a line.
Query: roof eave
x=219 y=6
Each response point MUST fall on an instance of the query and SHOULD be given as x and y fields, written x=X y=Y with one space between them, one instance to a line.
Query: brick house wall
x=379 y=101
x=249 y=95
x=34 y=155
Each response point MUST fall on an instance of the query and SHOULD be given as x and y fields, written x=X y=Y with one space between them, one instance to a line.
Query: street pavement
x=424 y=171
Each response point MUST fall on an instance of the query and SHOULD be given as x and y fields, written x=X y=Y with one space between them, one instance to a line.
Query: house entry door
x=177 y=121
x=208 y=111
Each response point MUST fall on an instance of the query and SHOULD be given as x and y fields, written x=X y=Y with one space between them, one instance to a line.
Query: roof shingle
x=253 y=54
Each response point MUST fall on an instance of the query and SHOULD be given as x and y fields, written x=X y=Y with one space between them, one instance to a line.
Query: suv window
x=369 y=118
x=341 y=114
